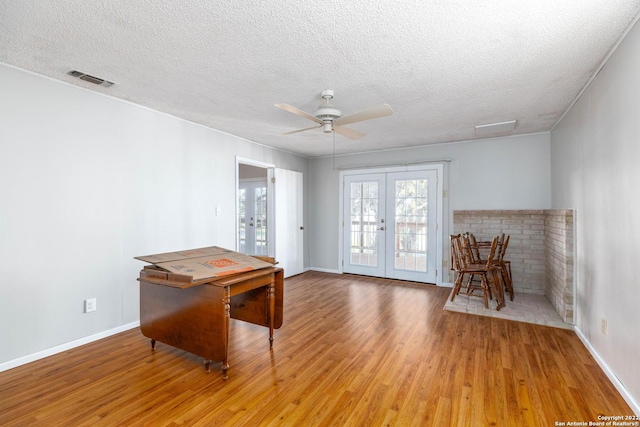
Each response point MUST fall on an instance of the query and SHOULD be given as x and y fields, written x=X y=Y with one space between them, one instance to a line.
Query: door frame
x=270 y=202
x=439 y=168
x=273 y=219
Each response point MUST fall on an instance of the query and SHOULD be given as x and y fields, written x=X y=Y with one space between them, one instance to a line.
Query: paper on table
x=216 y=262
x=190 y=253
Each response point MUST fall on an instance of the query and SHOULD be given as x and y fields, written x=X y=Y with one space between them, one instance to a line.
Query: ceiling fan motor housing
x=327 y=113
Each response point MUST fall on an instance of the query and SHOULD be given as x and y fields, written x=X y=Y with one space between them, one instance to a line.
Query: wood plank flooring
x=352 y=351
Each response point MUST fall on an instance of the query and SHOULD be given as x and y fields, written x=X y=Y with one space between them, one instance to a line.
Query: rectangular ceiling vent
x=495 y=129
x=90 y=78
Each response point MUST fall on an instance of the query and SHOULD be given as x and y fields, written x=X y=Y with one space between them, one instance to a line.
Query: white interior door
x=289 y=221
x=390 y=225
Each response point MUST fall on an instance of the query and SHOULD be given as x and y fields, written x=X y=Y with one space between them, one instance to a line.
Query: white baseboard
x=635 y=407
x=327 y=270
x=5 y=366
x=324 y=270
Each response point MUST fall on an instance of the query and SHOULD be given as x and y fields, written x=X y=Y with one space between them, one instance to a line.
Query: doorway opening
x=269 y=213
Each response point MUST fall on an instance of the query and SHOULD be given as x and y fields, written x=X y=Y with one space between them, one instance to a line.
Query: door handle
x=381 y=228
x=251 y=224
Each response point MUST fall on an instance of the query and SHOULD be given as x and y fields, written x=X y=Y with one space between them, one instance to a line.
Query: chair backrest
x=466 y=253
x=456 y=263
x=461 y=254
x=500 y=243
x=503 y=249
x=475 y=251
x=492 y=251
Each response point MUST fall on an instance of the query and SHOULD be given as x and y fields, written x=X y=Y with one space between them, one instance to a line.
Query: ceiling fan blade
x=300 y=130
x=368 y=114
x=349 y=133
x=298 y=112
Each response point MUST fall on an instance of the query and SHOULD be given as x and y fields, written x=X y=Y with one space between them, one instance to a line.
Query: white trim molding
x=324 y=270
x=635 y=406
x=64 y=347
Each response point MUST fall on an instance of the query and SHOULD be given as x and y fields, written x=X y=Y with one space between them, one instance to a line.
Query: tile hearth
x=529 y=308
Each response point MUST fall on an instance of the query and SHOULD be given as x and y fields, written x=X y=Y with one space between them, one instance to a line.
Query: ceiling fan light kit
x=330 y=119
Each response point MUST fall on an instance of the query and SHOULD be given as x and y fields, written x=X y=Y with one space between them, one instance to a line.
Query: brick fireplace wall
x=540 y=249
x=559 y=260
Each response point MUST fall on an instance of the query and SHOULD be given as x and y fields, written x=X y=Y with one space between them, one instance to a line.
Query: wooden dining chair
x=470 y=251
x=499 y=260
x=505 y=268
x=490 y=283
x=457 y=264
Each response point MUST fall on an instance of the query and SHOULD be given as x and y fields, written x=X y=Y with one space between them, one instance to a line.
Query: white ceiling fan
x=331 y=119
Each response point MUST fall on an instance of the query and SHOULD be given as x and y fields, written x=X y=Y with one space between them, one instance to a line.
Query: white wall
x=595 y=153
x=86 y=183
x=497 y=173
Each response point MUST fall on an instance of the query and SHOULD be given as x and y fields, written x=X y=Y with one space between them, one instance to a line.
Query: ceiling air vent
x=90 y=78
x=495 y=129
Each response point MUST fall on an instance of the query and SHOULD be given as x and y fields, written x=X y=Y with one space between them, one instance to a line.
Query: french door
x=390 y=223
x=252 y=218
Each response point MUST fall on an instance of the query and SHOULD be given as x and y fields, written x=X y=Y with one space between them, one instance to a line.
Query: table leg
x=226 y=300
x=271 y=294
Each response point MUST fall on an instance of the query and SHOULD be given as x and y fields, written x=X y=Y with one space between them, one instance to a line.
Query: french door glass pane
x=411 y=224
x=242 y=228
x=260 y=213
x=364 y=223
x=252 y=218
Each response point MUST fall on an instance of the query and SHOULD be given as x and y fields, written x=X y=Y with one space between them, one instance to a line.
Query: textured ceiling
x=443 y=66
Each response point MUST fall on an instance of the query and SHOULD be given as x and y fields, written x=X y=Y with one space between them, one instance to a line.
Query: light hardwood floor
x=352 y=351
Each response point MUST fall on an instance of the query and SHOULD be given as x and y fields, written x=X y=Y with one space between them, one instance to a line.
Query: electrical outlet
x=90 y=305
x=603 y=326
